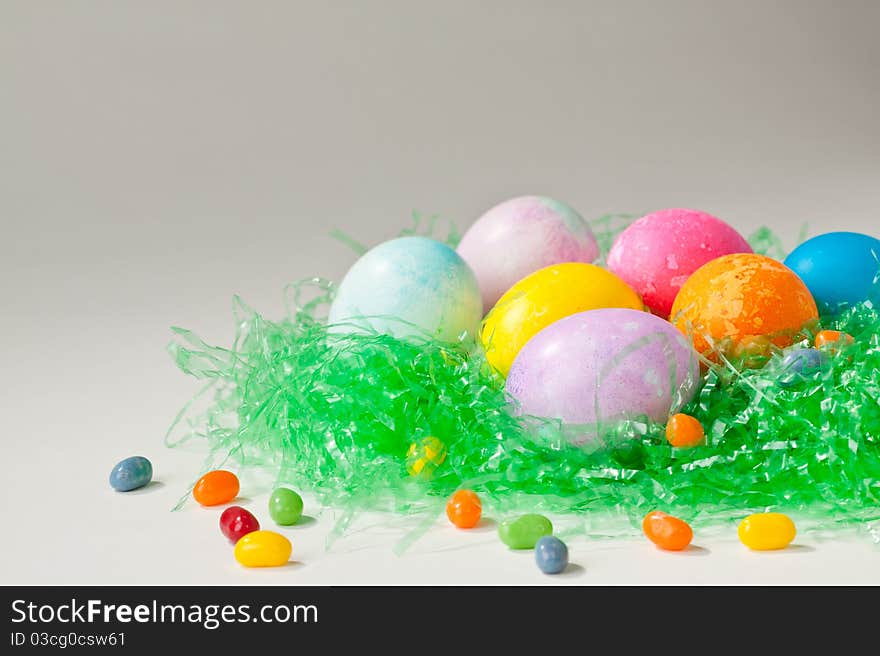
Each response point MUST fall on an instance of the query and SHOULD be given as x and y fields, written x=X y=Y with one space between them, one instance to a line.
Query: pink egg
x=520 y=236
x=657 y=253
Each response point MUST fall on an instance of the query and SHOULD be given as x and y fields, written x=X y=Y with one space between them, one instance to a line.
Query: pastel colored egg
x=546 y=296
x=524 y=531
x=800 y=365
x=263 y=549
x=551 y=555
x=766 y=531
x=602 y=366
x=520 y=236
x=656 y=254
x=285 y=506
x=216 y=487
x=840 y=269
x=130 y=474
x=236 y=522
x=740 y=304
x=408 y=287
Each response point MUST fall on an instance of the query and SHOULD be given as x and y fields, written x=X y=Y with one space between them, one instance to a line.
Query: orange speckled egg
x=742 y=303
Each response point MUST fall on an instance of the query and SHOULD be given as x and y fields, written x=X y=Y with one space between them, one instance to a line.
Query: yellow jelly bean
x=425 y=456
x=545 y=296
x=263 y=549
x=766 y=531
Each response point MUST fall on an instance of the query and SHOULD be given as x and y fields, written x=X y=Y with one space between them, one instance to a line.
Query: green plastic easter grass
x=337 y=414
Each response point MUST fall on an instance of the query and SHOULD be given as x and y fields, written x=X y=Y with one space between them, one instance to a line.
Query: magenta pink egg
x=520 y=236
x=657 y=253
x=602 y=366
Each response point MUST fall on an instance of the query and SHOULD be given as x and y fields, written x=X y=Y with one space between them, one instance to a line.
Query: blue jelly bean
x=799 y=365
x=551 y=555
x=131 y=473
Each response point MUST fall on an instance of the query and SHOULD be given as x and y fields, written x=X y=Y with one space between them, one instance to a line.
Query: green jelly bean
x=285 y=506
x=524 y=531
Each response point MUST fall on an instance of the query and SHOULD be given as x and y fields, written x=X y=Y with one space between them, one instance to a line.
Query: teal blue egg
x=410 y=286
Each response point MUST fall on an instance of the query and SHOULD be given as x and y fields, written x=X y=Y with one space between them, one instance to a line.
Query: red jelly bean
x=236 y=522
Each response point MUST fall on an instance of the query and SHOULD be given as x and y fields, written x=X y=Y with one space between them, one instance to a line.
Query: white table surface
x=159 y=157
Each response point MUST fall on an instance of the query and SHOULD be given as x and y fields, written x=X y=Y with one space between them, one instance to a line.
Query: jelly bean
x=216 y=487
x=524 y=531
x=551 y=555
x=683 y=431
x=236 y=522
x=667 y=532
x=464 y=509
x=285 y=506
x=798 y=365
x=131 y=473
x=766 y=531
x=828 y=338
x=263 y=549
x=425 y=456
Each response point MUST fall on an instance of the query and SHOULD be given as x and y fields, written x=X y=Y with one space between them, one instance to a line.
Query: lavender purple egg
x=602 y=366
x=520 y=236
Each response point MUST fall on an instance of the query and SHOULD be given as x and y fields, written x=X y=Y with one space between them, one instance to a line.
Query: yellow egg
x=545 y=296
x=263 y=549
x=766 y=531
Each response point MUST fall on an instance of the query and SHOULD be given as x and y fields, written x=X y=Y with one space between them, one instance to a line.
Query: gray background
x=157 y=157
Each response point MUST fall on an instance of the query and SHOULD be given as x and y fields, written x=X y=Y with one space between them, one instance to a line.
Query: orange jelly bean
x=216 y=487
x=667 y=532
x=831 y=337
x=683 y=430
x=464 y=509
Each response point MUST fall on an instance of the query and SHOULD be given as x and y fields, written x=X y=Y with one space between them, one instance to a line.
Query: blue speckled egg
x=799 y=365
x=410 y=286
x=551 y=555
x=839 y=268
x=131 y=473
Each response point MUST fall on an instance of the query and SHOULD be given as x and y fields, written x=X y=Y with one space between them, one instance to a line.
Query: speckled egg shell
x=656 y=254
x=743 y=301
x=520 y=236
x=603 y=366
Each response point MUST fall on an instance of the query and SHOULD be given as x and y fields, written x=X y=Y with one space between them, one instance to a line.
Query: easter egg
x=839 y=268
x=130 y=474
x=602 y=366
x=546 y=296
x=742 y=303
x=410 y=286
x=657 y=253
x=520 y=236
